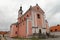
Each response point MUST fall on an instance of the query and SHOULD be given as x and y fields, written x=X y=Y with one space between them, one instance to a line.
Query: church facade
x=31 y=22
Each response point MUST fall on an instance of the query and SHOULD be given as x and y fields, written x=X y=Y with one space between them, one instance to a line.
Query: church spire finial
x=20 y=7
x=36 y=4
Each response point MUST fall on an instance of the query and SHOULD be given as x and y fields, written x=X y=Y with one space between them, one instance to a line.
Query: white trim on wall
x=32 y=18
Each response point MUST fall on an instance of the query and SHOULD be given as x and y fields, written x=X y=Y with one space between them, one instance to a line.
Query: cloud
x=55 y=19
x=53 y=13
x=9 y=11
x=8 y=14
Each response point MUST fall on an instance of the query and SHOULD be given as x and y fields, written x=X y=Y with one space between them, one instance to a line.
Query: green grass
x=33 y=38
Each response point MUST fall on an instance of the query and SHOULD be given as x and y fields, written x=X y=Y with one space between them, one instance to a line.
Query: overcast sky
x=9 y=11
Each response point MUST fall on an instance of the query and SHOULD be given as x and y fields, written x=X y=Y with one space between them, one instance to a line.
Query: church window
x=37 y=8
x=16 y=32
x=38 y=16
x=51 y=30
x=27 y=16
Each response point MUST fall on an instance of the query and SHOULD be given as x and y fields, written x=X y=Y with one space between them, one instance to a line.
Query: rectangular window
x=16 y=25
x=38 y=16
x=27 y=16
x=51 y=30
x=16 y=32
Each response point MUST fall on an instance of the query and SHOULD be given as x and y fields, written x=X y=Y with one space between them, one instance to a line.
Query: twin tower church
x=30 y=23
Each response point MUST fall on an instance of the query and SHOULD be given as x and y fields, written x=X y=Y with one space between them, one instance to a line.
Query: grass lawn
x=33 y=38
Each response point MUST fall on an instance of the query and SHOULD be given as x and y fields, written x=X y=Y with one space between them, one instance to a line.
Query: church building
x=31 y=22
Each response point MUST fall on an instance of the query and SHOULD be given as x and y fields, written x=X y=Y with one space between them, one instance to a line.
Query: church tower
x=20 y=12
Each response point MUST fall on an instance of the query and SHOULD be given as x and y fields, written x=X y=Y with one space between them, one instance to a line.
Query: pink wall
x=22 y=25
x=29 y=28
x=13 y=31
x=22 y=29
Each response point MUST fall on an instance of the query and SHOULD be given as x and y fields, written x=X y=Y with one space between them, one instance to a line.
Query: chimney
x=58 y=25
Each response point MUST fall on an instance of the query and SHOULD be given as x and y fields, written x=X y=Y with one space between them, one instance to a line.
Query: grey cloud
x=53 y=13
x=9 y=11
x=54 y=20
x=7 y=16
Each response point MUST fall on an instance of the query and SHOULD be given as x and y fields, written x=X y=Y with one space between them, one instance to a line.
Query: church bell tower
x=20 y=12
